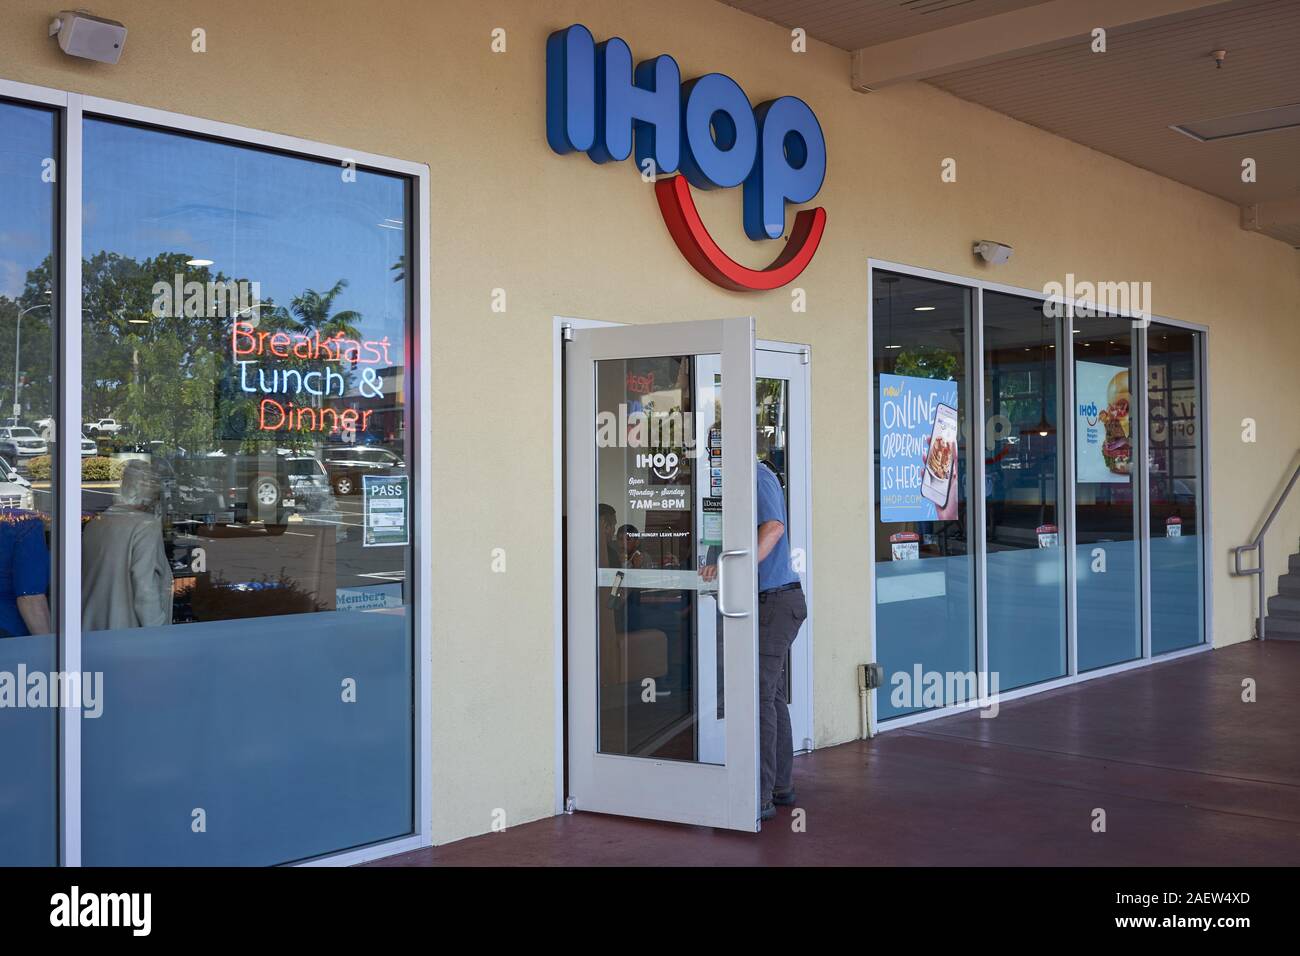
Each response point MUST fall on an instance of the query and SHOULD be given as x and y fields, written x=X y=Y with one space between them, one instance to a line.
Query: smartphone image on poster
x=940 y=457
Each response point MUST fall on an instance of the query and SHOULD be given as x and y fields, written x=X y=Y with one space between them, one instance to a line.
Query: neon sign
x=597 y=103
x=250 y=347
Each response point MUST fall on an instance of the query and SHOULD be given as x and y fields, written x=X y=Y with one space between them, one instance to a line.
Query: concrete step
x=1282 y=626
x=1289 y=584
x=1284 y=605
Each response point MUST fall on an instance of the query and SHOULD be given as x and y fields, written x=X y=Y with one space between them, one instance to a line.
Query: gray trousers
x=780 y=614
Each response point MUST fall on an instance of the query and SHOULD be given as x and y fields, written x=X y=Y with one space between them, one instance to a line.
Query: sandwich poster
x=908 y=408
x=1103 y=436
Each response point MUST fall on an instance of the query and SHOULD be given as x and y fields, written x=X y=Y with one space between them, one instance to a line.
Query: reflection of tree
x=36 y=349
x=166 y=373
x=926 y=361
x=313 y=309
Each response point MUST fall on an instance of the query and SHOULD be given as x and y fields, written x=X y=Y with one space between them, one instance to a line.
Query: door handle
x=722 y=589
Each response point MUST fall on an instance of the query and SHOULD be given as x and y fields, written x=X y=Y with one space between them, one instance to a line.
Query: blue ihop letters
x=598 y=104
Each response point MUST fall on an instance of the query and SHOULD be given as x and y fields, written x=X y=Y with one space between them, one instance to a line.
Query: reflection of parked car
x=105 y=426
x=15 y=490
x=347 y=464
x=239 y=488
x=45 y=428
x=20 y=443
x=311 y=490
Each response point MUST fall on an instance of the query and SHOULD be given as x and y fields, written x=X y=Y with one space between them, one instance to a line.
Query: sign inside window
x=386 y=510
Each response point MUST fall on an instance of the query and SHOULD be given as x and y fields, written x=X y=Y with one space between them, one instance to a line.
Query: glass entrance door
x=661 y=578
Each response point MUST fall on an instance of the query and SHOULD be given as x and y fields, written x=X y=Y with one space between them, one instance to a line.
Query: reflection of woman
x=126 y=580
x=24 y=574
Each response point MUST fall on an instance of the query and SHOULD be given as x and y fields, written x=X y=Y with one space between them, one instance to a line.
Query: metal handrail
x=1258 y=547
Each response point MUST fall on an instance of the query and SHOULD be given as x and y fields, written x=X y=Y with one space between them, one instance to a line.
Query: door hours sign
x=387 y=511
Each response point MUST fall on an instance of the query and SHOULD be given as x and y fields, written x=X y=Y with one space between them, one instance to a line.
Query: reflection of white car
x=105 y=426
x=19 y=443
x=45 y=428
x=15 y=490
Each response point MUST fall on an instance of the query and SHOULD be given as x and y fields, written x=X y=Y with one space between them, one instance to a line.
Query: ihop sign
x=598 y=104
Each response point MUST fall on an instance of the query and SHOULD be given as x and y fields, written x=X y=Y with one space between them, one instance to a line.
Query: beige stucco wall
x=417 y=80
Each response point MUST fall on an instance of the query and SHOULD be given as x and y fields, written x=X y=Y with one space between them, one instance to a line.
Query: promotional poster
x=908 y=410
x=1104 y=433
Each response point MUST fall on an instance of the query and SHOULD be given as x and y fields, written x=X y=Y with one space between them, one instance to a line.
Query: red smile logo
x=693 y=239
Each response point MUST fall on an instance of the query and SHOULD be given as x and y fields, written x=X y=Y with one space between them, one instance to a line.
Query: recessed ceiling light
x=198 y=262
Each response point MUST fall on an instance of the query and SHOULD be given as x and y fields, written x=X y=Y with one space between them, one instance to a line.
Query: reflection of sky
x=26 y=202
x=288 y=223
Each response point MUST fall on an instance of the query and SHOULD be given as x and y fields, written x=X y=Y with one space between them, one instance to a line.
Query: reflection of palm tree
x=399 y=267
x=312 y=310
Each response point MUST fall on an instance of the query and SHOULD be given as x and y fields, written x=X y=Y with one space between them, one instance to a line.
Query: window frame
x=72 y=110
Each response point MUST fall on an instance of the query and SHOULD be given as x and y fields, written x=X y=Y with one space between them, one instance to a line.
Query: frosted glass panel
x=28 y=798
x=247 y=722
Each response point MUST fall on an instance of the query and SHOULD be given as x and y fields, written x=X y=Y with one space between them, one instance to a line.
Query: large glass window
x=925 y=622
x=246 y=559
x=1023 y=534
x=1108 y=566
x=1177 y=544
x=28 y=398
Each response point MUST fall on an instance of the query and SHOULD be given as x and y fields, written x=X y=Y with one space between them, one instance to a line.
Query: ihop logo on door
x=663 y=464
x=597 y=102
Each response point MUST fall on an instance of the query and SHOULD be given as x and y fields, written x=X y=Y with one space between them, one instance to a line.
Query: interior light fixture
x=924 y=308
x=198 y=262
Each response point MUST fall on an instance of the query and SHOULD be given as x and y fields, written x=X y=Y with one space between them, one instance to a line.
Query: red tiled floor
x=1187 y=773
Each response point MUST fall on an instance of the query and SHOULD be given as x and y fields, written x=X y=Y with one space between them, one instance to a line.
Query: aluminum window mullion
x=1204 y=526
x=873 y=469
x=976 y=497
x=1142 y=418
x=68 y=489
x=1065 y=465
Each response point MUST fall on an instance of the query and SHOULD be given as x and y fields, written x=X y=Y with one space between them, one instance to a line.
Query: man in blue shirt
x=781 y=612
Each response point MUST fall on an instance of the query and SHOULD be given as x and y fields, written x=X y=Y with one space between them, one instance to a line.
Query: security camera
x=89 y=37
x=994 y=253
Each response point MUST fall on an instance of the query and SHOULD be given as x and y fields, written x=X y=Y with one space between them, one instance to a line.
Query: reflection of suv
x=15 y=490
x=347 y=464
x=20 y=443
x=238 y=488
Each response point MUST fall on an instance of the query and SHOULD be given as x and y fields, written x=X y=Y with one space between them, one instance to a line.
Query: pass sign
x=387 y=510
